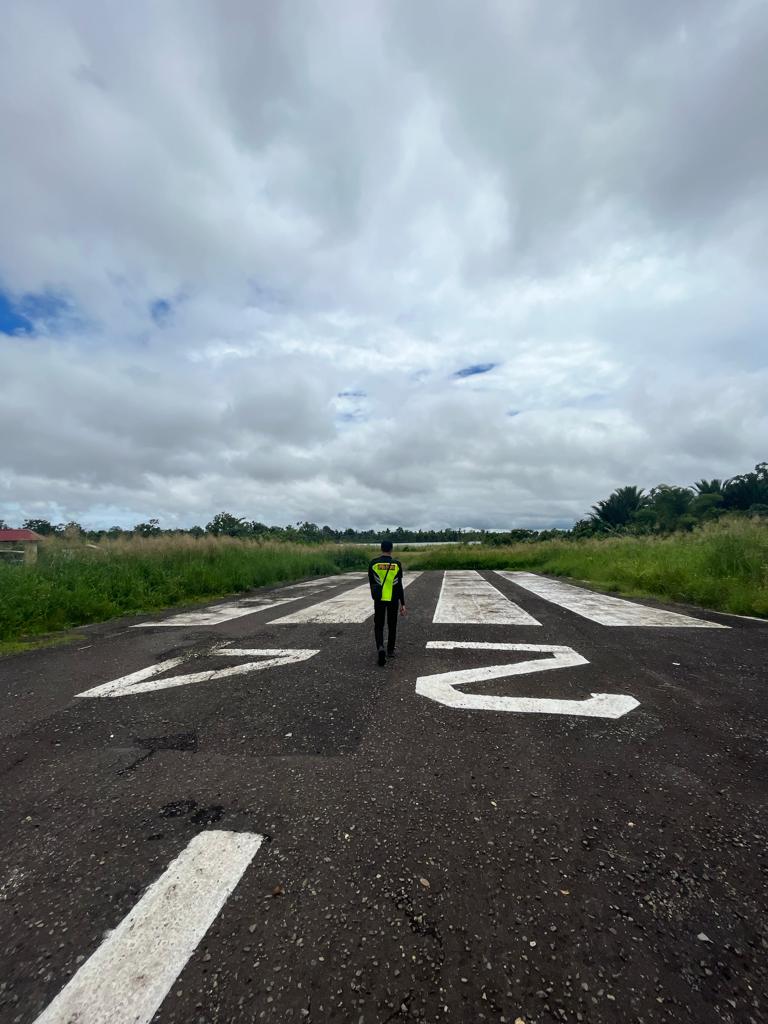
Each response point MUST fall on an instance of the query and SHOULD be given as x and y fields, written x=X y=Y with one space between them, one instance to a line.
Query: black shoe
x=391 y=654
x=382 y=657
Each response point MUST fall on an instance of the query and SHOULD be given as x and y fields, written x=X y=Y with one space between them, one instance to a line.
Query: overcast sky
x=362 y=263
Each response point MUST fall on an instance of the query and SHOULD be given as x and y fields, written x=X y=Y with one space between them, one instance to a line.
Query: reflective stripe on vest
x=386 y=577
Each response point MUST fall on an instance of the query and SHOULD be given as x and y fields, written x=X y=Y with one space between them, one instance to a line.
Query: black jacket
x=398 y=595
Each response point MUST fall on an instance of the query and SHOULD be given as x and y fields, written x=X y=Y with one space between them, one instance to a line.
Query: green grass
x=723 y=566
x=31 y=644
x=71 y=587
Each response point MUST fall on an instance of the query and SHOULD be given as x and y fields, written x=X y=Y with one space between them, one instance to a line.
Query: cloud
x=243 y=255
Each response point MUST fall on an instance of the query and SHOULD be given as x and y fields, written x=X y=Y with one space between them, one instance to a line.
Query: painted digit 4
x=442 y=687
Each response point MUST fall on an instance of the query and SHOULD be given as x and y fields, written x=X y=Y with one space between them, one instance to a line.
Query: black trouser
x=380 y=609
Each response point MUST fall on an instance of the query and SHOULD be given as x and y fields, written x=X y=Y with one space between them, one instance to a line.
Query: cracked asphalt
x=420 y=862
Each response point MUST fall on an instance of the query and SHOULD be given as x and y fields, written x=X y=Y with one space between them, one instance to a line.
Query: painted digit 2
x=442 y=687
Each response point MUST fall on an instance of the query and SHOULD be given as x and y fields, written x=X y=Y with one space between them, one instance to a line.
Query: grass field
x=723 y=566
x=73 y=586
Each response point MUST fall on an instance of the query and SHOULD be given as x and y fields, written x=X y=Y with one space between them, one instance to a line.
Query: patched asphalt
x=420 y=862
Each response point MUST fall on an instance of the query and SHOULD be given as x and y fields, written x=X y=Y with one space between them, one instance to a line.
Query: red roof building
x=18 y=535
x=19 y=545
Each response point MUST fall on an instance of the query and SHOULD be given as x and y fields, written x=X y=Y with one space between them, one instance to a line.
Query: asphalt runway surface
x=549 y=807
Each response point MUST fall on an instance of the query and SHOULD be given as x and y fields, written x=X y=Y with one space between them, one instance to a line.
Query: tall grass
x=72 y=586
x=723 y=565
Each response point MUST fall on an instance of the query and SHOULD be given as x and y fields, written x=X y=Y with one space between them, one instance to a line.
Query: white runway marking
x=132 y=971
x=608 y=611
x=217 y=613
x=145 y=681
x=341 y=578
x=466 y=598
x=441 y=687
x=352 y=606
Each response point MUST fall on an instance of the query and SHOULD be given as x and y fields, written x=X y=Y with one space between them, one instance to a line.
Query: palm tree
x=741 y=492
x=670 y=506
x=618 y=509
x=713 y=486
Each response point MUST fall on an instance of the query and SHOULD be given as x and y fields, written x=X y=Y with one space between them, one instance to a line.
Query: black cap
x=386 y=545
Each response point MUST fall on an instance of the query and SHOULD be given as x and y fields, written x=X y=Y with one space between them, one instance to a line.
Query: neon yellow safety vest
x=387 y=573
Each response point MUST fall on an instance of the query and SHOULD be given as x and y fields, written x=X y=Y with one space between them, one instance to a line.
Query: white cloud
x=369 y=198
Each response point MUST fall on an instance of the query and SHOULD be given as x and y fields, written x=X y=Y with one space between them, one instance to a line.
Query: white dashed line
x=132 y=971
x=608 y=611
x=468 y=599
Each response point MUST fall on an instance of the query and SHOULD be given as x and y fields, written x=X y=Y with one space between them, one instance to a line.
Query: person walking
x=385 y=575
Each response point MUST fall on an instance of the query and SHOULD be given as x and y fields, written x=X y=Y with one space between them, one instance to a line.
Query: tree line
x=224 y=524
x=668 y=508
x=663 y=509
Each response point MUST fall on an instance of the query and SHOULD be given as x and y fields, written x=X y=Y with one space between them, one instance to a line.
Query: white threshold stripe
x=608 y=611
x=352 y=606
x=467 y=598
x=217 y=613
x=132 y=971
x=340 y=578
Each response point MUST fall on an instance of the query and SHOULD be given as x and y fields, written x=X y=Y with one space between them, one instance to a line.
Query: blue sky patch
x=45 y=306
x=34 y=311
x=351 y=394
x=12 y=321
x=475 y=369
x=160 y=311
